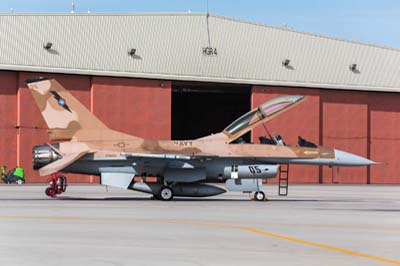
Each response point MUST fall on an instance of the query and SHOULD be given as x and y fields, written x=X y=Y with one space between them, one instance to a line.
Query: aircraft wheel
x=20 y=182
x=50 y=192
x=259 y=196
x=64 y=183
x=165 y=193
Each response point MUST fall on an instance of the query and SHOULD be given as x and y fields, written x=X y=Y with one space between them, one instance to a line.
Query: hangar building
x=182 y=76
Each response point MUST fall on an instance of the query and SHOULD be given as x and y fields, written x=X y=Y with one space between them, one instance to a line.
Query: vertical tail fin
x=65 y=116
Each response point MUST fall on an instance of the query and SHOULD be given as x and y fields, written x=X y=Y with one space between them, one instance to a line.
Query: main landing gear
x=165 y=193
x=57 y=185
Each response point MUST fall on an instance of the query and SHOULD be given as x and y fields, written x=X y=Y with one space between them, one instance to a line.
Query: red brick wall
x=135 y=106
x=345 y=127
x=385 y=137
x=363 y=123
x=8 y=118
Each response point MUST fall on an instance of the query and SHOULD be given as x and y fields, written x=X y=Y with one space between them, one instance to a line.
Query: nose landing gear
x=57 y=185
x=259 y=196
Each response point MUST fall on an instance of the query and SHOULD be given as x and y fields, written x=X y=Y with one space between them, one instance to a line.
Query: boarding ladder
x=283 y=180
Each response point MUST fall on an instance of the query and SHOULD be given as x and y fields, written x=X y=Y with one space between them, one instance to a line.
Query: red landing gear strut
x=57 y=185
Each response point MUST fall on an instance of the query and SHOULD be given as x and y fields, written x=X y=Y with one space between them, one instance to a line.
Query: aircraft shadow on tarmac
x=275 y=200
x=143 y=199
x=199 y=199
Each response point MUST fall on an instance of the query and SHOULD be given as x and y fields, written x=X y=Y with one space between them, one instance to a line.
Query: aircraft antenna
x=208 y=26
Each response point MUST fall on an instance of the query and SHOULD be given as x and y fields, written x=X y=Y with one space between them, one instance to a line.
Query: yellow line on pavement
x=215 y=225
x=349 y=252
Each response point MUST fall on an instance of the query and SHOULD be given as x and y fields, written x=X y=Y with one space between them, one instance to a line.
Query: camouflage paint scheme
x=85 y=144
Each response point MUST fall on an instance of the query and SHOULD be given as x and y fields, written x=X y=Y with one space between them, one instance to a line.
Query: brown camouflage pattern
x=80 y=132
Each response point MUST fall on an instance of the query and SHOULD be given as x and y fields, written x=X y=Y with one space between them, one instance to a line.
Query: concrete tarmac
x=314 y=225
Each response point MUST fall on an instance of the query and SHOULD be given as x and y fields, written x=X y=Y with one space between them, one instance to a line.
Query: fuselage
x=154 y=157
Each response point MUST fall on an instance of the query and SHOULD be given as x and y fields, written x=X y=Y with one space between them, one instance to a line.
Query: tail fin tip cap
x=33 y=80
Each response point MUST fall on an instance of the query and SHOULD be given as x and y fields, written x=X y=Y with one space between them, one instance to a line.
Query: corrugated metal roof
x=170 y=46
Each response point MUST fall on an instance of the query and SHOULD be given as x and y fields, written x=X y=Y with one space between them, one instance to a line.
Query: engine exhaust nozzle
x=43 y=155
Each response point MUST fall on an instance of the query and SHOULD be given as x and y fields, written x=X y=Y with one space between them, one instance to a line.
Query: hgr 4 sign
x=210 y=51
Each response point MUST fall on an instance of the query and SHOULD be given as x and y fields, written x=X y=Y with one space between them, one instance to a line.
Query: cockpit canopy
x=261 y=114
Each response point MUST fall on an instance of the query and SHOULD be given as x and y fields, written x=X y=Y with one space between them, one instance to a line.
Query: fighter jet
x=80 y=143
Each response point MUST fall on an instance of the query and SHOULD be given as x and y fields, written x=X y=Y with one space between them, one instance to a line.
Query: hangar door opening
x=200 y=109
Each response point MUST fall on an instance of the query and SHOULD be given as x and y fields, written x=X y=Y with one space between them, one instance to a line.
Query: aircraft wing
x=186 y=165
x=62 y=163
x=156 y=156
x=171 y=158
x=261 y=114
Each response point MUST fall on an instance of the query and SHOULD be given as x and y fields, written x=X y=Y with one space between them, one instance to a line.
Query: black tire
x=165 y=193
x=64 y=183
x=259 y=196
x=50 y=192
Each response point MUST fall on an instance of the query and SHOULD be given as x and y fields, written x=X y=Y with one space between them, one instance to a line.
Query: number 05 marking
x=255 y=169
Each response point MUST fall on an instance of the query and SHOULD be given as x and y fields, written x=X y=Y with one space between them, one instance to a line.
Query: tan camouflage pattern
x=81 y=132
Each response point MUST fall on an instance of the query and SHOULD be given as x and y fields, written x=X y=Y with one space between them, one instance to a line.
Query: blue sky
x=370 y=21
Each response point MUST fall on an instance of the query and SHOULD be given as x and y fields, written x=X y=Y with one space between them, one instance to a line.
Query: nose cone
x=349 y=159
